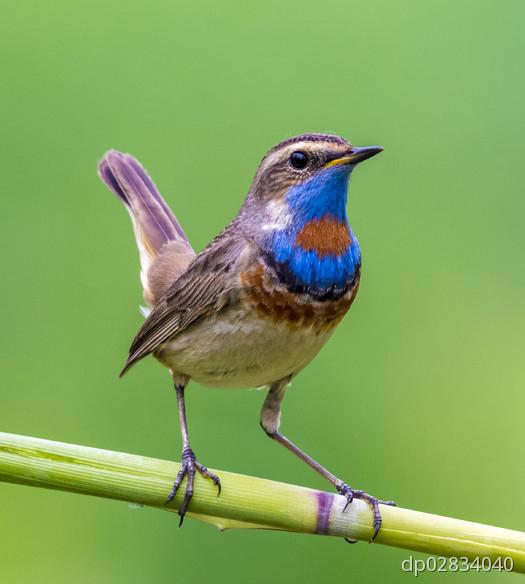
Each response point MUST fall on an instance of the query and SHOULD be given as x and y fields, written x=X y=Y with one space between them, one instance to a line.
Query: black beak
x=360 y=154
x=356 y=156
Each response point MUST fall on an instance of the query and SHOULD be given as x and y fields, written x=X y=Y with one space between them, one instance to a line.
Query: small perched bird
x=258 y=303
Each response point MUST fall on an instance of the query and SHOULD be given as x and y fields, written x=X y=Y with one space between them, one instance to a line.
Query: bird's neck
x=308 y=240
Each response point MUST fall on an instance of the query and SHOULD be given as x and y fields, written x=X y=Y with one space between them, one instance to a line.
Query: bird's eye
x=299 y=159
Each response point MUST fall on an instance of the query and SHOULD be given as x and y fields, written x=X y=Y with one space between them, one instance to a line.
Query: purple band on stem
x=324 y=506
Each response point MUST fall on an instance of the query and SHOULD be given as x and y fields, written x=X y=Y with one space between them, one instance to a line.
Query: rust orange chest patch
x=326 y=236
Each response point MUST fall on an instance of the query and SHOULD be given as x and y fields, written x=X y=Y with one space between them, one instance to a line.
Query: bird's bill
x=355 y=156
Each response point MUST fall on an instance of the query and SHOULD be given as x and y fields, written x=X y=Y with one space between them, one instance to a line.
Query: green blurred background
x=419 y=395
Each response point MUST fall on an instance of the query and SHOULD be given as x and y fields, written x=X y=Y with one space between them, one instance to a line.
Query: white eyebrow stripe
x=284 y=152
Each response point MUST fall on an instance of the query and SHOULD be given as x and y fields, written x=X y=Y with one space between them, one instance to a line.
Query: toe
x=377 y=519
x=374 y=503
x=347 y=492
x=209 y=475
x=187 y=495
x=180 y=477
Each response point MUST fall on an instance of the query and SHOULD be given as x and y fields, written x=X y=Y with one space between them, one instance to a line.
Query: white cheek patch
x=279 y=216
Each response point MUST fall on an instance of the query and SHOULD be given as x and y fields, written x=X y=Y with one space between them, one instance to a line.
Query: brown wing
x=209 y=284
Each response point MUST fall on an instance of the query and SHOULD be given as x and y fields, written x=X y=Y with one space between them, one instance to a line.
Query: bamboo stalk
x=246 y=502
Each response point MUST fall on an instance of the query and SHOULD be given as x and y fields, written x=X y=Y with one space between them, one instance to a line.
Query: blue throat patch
x=305 y=262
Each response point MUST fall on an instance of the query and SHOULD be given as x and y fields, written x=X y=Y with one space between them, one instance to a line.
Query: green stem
x=246 y=501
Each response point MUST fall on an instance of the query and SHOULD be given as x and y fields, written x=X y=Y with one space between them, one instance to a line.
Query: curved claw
x=352 y=494
x=209 y=475
x=347 y=492
x=189 y=465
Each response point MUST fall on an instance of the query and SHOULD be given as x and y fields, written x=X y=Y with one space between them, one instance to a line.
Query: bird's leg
x=189 y=462
x=270 y=422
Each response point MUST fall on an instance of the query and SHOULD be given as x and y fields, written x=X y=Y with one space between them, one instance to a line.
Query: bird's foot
x=189 y=466
x=374 y=503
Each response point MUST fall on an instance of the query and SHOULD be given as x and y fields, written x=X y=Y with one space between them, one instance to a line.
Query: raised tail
x=164 y=249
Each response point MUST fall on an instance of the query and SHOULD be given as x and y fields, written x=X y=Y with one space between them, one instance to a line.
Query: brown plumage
x=262 y=299
x=262 y=290
x=208 y=285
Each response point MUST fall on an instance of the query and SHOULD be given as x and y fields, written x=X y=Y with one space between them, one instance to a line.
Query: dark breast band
x=285 y=276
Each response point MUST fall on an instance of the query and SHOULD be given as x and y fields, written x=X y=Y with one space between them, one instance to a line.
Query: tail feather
x=163 y=246
x=150 y=185
x=130 y=182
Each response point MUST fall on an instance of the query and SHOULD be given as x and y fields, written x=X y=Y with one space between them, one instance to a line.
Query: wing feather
x=209 y=284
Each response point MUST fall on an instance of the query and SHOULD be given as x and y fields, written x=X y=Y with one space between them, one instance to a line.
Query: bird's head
x=306 y=178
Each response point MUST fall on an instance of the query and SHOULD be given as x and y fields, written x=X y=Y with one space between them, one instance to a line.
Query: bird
x=257 y=304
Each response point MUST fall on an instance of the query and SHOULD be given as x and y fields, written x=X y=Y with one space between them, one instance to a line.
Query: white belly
x=241 y=349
